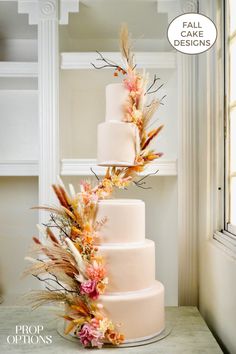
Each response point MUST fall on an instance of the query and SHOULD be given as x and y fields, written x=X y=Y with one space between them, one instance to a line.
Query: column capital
x=48 y=9
x=188 y=6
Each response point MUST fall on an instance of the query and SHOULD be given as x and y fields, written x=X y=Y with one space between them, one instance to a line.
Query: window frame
x=229 y=229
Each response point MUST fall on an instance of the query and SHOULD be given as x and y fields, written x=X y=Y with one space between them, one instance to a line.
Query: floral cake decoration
x=67 y=261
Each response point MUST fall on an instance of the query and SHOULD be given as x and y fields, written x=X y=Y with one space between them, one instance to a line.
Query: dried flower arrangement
x=68 y=261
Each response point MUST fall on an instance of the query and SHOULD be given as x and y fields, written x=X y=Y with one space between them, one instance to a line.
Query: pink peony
x=90 y=336
x=89 y=288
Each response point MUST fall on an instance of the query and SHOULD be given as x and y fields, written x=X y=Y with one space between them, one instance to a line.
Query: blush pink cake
x=134 y=299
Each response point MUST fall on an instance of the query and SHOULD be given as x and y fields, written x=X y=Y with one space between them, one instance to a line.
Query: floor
x=189 y=334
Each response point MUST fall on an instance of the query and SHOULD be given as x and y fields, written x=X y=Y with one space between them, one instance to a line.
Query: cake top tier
x=116 y=97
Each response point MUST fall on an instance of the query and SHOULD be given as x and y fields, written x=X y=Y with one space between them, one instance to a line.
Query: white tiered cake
x=133 y=298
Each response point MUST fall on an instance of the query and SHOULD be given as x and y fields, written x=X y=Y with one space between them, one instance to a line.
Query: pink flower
x=133 y=84
x=87 y=194
x=85 y=186
x=96 y=271
x=89 y=288
x=95 y=322
x=90 y=336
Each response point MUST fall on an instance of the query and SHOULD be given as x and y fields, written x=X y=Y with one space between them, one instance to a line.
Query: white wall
x=18 y=225
x=217 y=265
x=218 y=292
x=18 y=145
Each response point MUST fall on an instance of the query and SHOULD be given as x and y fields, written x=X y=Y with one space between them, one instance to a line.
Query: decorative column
x=187 y=161
x=188 y=172
x=47 y=14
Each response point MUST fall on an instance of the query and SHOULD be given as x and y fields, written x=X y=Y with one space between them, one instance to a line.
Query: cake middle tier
x=125 y=220
x=130 y=267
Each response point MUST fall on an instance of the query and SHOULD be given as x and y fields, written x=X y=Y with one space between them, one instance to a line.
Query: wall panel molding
x=46 y=14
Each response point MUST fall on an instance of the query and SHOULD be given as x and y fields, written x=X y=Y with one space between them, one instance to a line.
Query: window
x=230 y=136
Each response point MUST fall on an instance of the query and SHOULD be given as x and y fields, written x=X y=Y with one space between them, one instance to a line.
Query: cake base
x=139 y=314
x=127 y=344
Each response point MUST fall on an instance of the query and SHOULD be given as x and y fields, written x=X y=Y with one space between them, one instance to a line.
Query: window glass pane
x=232 y=11
x=233 y=201
x=231 y=107
x=233 y=141
x=233 y=71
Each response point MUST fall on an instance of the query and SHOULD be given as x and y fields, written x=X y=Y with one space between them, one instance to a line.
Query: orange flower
x=88 y=238
x=74 y=232
x=139 y=160
x=96 y=271
x=101 y=287
x=114 y=337
x=87 y=227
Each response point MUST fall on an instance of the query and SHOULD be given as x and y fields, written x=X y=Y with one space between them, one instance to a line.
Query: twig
x=141 y=186
x=148 y=175
x=46 y=280
x=157 y=89
x=57 y=225
x=152 y=84
x=141 y=182
x=108 y=63
x=94 y=174
x=162 y=100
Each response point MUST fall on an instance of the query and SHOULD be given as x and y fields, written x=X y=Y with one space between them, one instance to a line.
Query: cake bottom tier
x=140 y=314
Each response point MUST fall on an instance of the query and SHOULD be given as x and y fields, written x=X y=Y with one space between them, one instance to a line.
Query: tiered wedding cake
x=133 y=297
x=94 y=257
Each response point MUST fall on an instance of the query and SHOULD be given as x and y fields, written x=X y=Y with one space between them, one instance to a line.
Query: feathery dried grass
x=149 y=112
x=38 y=298
x=125 y=46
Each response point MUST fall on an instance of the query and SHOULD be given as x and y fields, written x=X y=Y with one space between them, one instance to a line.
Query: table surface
x=189 y=334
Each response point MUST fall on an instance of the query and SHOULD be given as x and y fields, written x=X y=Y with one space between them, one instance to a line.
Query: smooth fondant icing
x=130 y=267
x=117 y=144
x=125 y=220
x=116 y=97
x=139 y=314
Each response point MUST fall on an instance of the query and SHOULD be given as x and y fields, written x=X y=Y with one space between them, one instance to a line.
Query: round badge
x=192 y=33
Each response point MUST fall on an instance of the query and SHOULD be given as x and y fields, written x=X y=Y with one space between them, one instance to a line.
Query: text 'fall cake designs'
x=98 y=262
